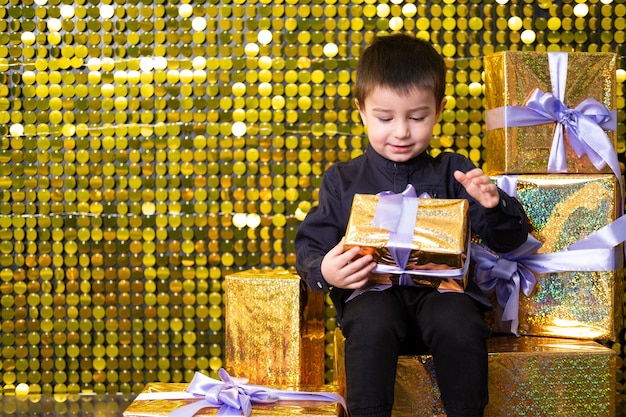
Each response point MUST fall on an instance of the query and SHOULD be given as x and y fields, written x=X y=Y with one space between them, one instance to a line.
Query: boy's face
x=400 y=126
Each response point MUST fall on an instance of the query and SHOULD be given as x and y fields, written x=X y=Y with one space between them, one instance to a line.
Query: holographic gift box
x=520 y=141
x=274 y=328
x=528 y=376
x=169 y=403
x=437 y=246
x=586 y=301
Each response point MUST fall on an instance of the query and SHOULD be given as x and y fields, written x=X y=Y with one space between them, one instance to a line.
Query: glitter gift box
x=562 y=210
x=283 y=408
x=511 y=77
x=439 y=240
x=528 y=376
x=274 y=328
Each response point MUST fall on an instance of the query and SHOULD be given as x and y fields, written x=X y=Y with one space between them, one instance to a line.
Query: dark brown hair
x=400 y=62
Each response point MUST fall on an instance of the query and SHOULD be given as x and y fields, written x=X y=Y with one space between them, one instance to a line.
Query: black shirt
x=502 y=228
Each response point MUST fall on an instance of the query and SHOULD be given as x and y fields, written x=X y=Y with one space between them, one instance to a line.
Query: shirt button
x=503 y=203
x=319 y=284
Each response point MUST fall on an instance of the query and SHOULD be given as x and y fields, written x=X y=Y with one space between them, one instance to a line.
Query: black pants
x=381 y=325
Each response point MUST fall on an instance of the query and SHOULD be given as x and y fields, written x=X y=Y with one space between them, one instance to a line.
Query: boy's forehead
x=384 y=98
x=407 y=92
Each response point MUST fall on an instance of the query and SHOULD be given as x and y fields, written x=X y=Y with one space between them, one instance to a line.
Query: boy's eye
x=417 y=118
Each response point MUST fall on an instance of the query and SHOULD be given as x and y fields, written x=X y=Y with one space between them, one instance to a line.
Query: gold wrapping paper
x=528 y=376
x=562 y=210
x=439 y=237
x=339 y=366
x=161 y=408
x=510 y=78
x=274 y=328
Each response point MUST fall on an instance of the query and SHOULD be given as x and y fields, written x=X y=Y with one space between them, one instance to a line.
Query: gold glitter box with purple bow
x=283 y=408
x=582 y=304
x=438 y=243
x=515 y=79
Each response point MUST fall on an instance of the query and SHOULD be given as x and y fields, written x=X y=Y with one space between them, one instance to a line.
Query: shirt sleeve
x=504 y=227
x=320 y=231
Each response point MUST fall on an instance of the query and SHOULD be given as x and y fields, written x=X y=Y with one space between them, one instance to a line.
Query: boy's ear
x=358 y=106
x=443 y=104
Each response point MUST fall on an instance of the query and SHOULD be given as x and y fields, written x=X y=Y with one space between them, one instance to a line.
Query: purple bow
x=235 y=398
x=584 y=125
x=507 y=274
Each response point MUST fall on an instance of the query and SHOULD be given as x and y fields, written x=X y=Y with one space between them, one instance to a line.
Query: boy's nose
x=401 y=129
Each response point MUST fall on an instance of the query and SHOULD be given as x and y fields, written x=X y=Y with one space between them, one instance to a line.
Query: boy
x=400 y=95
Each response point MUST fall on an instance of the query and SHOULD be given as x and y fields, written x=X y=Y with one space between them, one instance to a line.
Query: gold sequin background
x=149 y=148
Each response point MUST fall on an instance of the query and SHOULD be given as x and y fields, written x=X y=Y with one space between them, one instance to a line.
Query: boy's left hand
x=479 y=186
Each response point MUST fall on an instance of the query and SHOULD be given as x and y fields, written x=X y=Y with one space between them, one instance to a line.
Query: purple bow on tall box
x=274 y=328
x=575 y=255
x=550 y=112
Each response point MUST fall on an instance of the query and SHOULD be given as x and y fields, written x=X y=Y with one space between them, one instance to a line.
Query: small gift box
x=528 y=376
x=567 y=280
x=204 y=397
x=274 y=328
x=425 y=239
x=550 y=112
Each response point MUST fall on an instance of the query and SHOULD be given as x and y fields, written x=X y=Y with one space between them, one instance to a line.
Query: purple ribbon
x=507 y=274
x=398 y=214
x=512 y=272
x=585 y=124
x=233 y=396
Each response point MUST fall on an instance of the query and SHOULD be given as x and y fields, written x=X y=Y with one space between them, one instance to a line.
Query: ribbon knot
x=568 y=117
x=229 y=394
x=504 y=269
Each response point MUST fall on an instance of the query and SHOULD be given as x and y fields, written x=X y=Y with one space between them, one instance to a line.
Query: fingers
x=346 y=269
x=479 y=186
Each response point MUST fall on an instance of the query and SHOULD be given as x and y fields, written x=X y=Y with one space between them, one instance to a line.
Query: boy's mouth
x=400 y=148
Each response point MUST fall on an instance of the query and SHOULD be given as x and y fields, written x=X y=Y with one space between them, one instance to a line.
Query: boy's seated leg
x=455 y=332
x=374 y=324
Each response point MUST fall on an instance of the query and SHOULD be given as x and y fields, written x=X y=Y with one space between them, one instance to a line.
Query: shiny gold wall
x=149 y=148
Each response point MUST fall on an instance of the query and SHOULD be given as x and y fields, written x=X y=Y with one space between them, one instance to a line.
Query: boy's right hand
x=344 y=269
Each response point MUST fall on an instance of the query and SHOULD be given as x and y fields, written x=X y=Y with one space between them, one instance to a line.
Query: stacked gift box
x=550 y=140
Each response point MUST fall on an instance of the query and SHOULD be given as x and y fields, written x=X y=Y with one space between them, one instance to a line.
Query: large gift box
x=274 y=328
x=526 y=93
x=160 y=399
x=569 y=214
x=528 y=376
x=431 y=234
